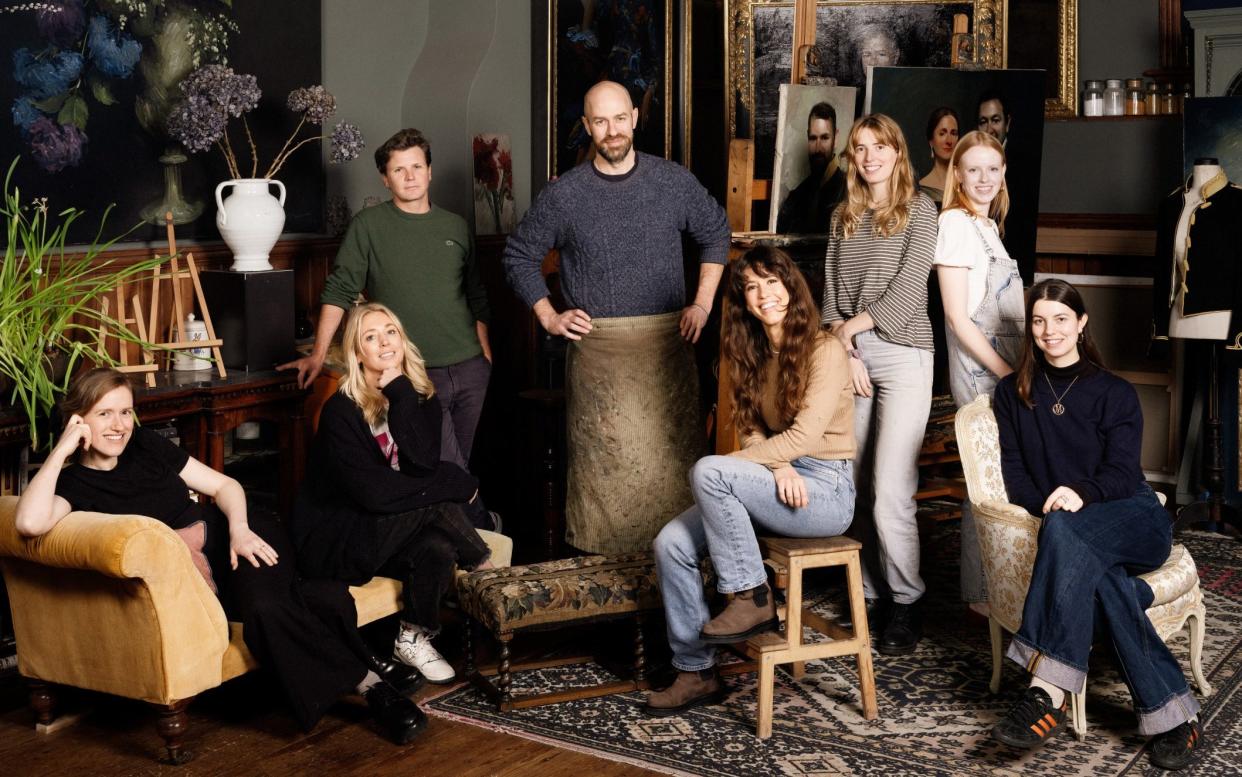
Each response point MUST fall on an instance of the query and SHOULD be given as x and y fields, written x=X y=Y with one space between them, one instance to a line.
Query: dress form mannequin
x=1209 y=325
x=1213 y=325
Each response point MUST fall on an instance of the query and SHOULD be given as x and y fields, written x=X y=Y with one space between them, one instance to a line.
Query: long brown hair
x=1054 y=290
x=370 y=400
x=746 y=343
x=891 y=218
x=954 y=197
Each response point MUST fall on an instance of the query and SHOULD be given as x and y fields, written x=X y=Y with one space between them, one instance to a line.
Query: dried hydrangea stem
x=254 y=152
x=284 y=150
x=276 y=165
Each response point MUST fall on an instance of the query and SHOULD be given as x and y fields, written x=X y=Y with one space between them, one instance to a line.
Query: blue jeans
x=1092 y=555
x=732 y=496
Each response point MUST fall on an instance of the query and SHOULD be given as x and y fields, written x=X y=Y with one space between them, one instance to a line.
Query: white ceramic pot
x=250 y=221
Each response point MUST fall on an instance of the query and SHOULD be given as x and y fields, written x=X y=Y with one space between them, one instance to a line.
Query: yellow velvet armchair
x=114 y=604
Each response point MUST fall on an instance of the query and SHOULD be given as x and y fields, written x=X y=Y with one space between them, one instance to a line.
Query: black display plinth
x=253 y=314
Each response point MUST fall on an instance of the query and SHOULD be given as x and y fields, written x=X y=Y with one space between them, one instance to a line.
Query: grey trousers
x=889 y=427
x=462 y=387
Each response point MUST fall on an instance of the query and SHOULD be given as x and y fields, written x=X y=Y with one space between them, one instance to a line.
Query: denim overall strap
x=1000 y=318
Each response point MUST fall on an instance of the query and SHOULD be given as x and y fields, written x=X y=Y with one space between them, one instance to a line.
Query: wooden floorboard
x=242 y=729
x=235 y=732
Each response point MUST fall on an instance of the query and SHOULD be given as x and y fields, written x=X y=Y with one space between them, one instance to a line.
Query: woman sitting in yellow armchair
x=304 y=631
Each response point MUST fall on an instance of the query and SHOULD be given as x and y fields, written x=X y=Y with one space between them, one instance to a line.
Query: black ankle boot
x=903 y=631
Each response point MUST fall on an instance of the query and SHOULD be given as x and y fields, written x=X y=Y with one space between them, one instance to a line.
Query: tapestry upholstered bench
x=552 y=595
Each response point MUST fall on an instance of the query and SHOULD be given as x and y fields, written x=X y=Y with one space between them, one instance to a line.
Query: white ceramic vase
x=250 y=221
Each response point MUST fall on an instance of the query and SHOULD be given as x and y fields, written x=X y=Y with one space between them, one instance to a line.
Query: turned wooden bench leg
x=42 y=701
x=640 y=655
x=172 y=725
x=468 y=644
x=504 y=679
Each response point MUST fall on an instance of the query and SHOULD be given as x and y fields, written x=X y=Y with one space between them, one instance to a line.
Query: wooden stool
x=790 y=557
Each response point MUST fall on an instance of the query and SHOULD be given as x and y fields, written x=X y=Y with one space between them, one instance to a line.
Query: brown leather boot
x=749 y=613
x=689 y=690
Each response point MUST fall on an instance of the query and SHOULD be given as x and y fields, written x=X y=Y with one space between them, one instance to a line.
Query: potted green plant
x=50 y=312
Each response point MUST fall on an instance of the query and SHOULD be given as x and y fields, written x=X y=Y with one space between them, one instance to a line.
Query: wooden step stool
x=790 y=557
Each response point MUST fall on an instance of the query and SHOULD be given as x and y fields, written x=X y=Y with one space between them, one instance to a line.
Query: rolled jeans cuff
x=1064 y=676
x=1179 y=708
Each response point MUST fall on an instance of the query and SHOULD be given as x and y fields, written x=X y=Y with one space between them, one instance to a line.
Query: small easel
x=176 y=327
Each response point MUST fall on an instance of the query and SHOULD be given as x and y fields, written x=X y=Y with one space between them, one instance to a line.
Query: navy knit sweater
x=1093 y=447
x=619 y=238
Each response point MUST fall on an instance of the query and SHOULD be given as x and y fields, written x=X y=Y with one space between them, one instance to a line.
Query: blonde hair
x=367 y=397
x=954 y=197
x=890 y=218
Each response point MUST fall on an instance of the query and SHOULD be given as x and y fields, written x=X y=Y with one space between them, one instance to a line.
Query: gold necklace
x=1057 y=407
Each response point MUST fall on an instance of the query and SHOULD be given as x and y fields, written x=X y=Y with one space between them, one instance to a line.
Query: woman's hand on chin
x=387 y=376
x=790 y=487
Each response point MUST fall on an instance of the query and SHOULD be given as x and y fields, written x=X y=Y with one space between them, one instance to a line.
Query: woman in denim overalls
x=982 y=295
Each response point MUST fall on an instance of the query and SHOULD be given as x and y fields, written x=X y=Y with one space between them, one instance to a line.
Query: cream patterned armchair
x=113 y=603
x=1008 y=537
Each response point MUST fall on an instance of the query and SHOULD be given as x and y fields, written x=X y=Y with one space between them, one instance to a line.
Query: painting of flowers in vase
x=493 y=185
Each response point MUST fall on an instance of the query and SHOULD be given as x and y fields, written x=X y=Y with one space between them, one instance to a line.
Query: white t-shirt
x=957 y=245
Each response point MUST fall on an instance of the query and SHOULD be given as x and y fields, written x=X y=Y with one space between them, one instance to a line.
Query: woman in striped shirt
x=880 y=245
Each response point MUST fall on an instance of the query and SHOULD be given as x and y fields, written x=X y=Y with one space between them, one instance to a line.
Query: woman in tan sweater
x=793 y=406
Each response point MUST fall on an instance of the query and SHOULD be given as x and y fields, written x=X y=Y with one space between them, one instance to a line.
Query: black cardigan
x=349 y=483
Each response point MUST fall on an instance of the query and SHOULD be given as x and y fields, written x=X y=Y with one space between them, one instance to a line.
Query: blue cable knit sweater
x=1093 y=448
x=619 y=238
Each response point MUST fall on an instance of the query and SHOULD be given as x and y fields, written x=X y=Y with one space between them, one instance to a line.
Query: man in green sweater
x=417 y=259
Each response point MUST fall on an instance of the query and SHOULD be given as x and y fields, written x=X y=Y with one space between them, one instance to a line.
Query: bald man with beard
x=631 y=386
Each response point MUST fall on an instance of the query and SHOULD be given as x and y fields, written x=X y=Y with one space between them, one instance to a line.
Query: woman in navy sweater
x=1070 y=434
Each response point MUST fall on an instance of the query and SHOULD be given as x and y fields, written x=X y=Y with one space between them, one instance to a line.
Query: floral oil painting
x=493 y=185
x=94 y=92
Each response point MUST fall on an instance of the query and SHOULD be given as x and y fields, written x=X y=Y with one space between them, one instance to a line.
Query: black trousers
x=305 y=632
x=420 y=548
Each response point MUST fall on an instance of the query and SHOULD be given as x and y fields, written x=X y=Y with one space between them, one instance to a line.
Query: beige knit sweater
x=823 y=429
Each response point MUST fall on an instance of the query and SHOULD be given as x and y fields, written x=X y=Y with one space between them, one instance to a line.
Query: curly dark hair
x=746 y=343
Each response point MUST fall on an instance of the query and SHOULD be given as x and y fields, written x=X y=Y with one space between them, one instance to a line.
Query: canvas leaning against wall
x=808 y=177
x=911 y=95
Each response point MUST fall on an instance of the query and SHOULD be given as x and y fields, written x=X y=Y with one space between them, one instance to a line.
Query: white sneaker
x=419 y=653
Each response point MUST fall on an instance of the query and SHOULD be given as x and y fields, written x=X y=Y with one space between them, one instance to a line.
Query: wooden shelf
x=1108 y=119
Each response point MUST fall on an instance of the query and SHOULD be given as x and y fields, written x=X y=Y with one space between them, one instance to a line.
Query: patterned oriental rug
x=935 y=707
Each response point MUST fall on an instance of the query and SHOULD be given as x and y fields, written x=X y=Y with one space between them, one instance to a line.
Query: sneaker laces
x=1034 y=704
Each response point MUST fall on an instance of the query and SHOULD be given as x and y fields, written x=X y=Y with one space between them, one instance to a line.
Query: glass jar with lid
x=1093 y=98
x=1168 y=100
x=1114 y=98
x=1153 y=98
x=1135 y=103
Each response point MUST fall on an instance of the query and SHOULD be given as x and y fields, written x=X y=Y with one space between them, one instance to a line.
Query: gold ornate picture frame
x=759 y=49
x=1046 y=36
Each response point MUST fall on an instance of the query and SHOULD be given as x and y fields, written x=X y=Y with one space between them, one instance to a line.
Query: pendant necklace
x=1057 y=407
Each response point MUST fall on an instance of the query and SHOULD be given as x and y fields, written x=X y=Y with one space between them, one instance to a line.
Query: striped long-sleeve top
x=884 y=276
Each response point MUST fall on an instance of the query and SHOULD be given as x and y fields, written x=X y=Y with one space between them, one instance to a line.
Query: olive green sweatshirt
x=422 y=265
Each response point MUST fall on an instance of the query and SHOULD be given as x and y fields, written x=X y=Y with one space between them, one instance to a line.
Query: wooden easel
x=149 y=329
x=176 y=326
x=148 y=364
